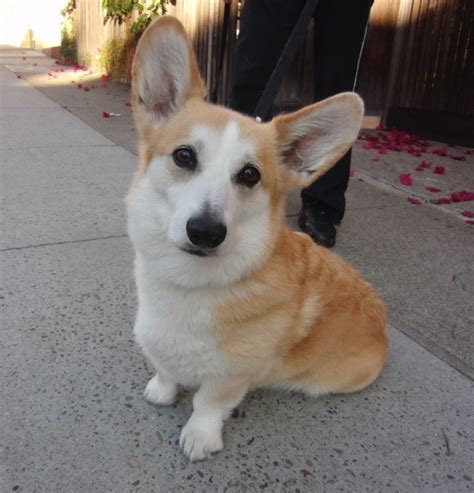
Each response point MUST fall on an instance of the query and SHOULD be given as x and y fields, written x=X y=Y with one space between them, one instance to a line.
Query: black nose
x=205 y=231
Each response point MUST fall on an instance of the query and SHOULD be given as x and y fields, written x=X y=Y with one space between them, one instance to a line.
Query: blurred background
x=416 y=72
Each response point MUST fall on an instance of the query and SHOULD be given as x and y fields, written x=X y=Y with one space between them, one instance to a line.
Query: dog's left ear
x=165 y=72
x=313 y=139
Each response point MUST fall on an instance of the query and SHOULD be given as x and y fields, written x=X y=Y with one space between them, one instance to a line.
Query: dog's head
x=207 y=202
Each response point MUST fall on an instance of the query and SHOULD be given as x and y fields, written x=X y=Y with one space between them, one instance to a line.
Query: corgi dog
x=229 y=298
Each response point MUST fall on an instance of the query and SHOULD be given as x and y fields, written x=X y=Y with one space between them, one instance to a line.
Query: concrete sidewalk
x=73 y=417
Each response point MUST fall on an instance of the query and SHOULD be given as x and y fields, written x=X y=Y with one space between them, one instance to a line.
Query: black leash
x=281 y=69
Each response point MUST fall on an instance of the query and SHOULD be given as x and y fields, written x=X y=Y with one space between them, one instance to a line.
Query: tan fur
x=307 y=319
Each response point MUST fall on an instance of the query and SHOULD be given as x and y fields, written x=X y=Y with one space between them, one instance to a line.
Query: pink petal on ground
x=406 y=179
x=444 y=200
x=469 y=152
x=433 y=189
x=468 y=214
x=352 y=172
x=423 y=165
x=470 y=222
x=414 y=200
x=462 y=196
x=105 y=114
x=383 y=150
x=442 y=151
x=128 y=103
x=439 y=170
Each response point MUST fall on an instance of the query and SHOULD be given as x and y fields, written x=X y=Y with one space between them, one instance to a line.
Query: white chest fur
x=176 y=329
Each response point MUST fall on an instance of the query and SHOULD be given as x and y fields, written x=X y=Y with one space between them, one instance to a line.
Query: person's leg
x=340 y=27
x=264 y=30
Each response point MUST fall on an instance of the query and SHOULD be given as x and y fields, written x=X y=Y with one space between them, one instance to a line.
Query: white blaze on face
x=221 y=154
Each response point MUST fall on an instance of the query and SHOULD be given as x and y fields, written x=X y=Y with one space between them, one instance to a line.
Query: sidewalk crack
x=63 y=242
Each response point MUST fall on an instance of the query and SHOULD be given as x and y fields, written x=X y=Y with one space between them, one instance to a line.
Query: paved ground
x=73 y=417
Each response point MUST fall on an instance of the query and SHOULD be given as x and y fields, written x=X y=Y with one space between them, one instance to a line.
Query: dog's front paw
x=198 y=442
x=159 y=392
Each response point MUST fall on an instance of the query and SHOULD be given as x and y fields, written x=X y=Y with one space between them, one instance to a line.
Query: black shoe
x=319 y=226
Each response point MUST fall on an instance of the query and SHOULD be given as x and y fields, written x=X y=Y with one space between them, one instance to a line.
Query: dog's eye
x=185 y=157
x=248 y=176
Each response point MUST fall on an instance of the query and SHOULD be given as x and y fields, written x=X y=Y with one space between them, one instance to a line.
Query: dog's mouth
x=199 y=252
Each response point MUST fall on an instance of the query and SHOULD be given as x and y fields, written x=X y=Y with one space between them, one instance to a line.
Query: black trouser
x=339 y=34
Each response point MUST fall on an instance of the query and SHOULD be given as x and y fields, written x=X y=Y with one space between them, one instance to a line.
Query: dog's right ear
x=165 y=72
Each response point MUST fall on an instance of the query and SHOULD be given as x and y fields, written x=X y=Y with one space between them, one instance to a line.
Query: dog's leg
x=161 y=391
x=212 y=404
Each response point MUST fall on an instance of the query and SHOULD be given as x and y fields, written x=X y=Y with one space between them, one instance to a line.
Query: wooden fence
x=418 y=53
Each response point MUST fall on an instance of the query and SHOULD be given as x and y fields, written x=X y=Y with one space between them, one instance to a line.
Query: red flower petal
x=442 y=151
x=433 y=189
x=439 y=170
x=469 y=222
x=444 y=200
x=395 y=140
x=423 y=165
x=414 y=200
x=462 y=196
x=406 y=179
x=105 y=114
x=468 y=214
